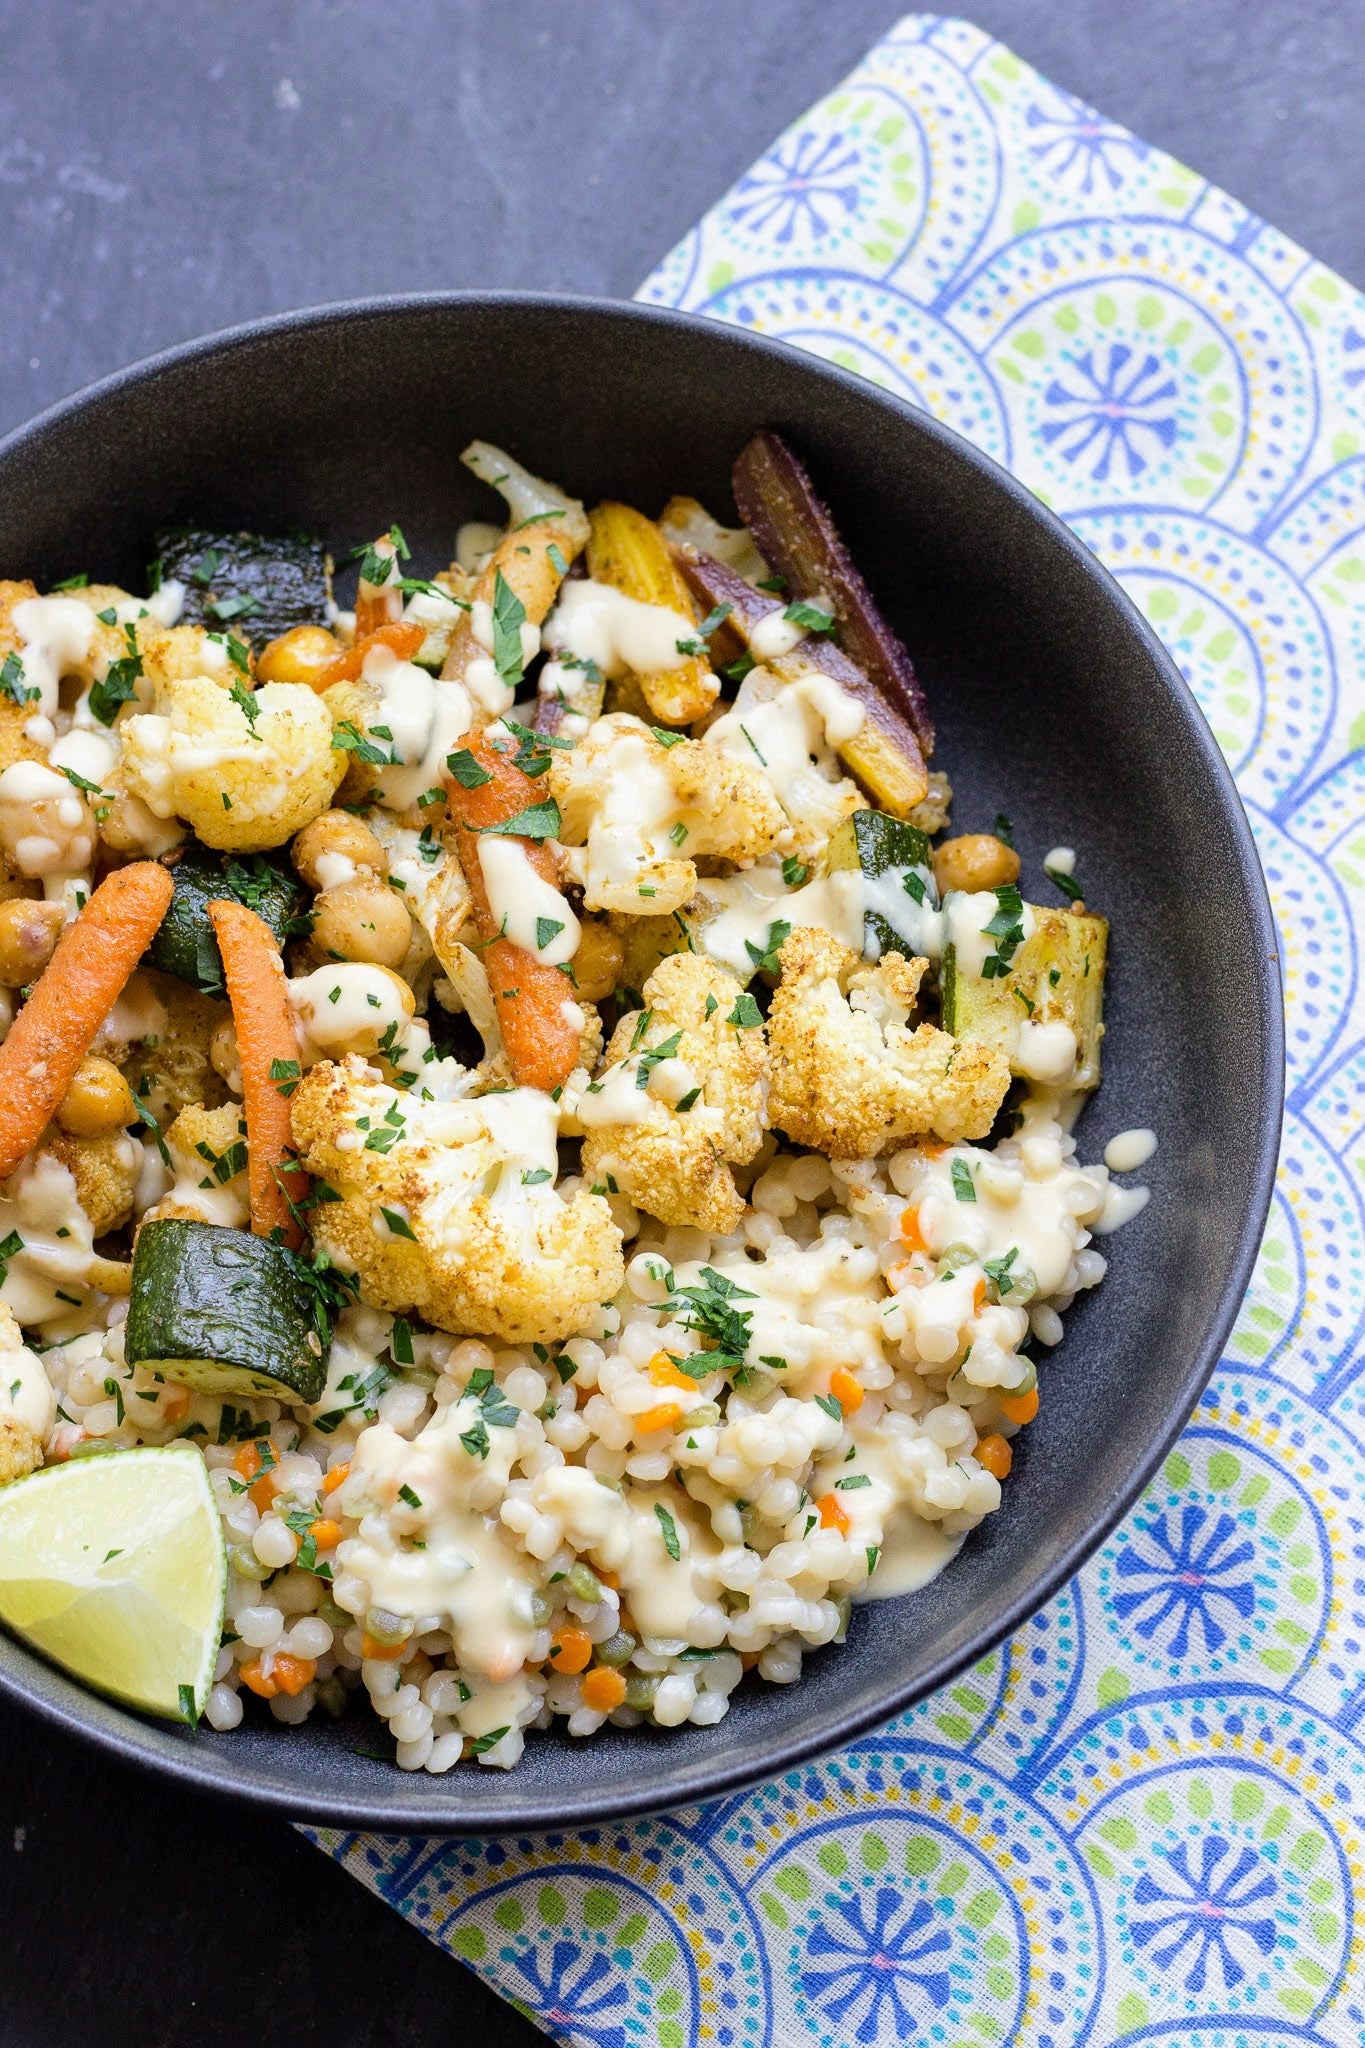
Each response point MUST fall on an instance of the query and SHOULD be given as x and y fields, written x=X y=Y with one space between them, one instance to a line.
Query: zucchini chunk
x=245 y=583
x=185 y=945
x=900 y=900
x=1056 y=977
x=223 y=1311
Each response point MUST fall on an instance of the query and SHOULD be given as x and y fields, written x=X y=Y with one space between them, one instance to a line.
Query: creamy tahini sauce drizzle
x=56 y=637
x=596 y=622
x=425 y=718
x=524 y=904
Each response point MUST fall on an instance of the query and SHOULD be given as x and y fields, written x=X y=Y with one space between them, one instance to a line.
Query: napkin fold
x=1142 y=1818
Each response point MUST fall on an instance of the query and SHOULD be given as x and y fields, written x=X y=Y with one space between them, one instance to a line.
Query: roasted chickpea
x=976 y=860
x=333 y=847
x=597 y=963
x=29 y=931
x=98 y=1101
x=362 y=920
x=302 y=655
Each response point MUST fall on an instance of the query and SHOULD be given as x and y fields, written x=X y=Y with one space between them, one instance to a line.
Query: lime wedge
x=114 y=1567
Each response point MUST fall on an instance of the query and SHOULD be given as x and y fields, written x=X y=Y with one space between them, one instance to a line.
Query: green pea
x=955 y=1256
x=332 y=1696
x=845 y=1607
x=1026 y=1384
x=584 y=1585
x=1021 y=1284
x=703 y=1416
x=541 y=1609
x=246 y=1564
x=641 y=1688
x=618 y=1649
x=334 y=1616
x=387 y=1628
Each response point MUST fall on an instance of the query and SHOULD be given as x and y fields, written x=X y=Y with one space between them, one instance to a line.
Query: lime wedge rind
x=115 y=1570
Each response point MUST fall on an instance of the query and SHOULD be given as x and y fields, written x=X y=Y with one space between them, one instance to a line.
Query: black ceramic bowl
x=1054 y=702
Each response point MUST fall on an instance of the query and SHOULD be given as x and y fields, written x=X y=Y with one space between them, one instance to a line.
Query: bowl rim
x=132 y=1737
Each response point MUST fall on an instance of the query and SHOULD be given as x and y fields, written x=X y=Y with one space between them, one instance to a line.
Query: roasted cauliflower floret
x=181 y=654
x=848 y=1074
x=787 y=724
x=450 y=1208
x=208 y=1152
x=105 y=1171
x=173 y=1067
x=680 y=1099
x=245 y=776
x=28 y=1406
x=635 y=812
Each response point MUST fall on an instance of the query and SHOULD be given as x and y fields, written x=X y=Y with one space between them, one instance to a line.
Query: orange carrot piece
x=603 y=1689
x=664 y=1373
x=978 y=1297
x=1020 y=1408
x=336 y=1477
x=529 y=996
x=668 y=1415
x=832 y=1515
x=847 y=1390
x=382 y=1653
x=911 y=1235
x=404 y=641
x=995 y=1454
x=291 y=1673
x=325 y=1533
x=255 y=1678
x=254 y=974
x=75 y=993
x=250 y=1464
x=571 y=1650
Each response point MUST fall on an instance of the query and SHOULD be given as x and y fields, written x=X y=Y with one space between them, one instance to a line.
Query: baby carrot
x=403 y=640
x=530 y=998
x=254 y=974
x=77 y=989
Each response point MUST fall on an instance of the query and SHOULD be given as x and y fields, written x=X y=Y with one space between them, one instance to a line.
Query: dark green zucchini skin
x=245 y=583
x=223 y=1311
x=185 y=946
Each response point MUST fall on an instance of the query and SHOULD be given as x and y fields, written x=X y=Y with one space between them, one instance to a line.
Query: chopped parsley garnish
x=12 y=681
x=246 y=704
x=753 y=743
x=1003 y=830
x=145 y=1116
x=400 y=1342
x=80 y=782
x=794 y=871
x=854 y=1480
x=997 y=1271
x=118 y=684
x=483 y=1743
x=745 y=1015
x=399 y=1225
x=874 y=1551
x=469 y=773
x=765 y=957
x=555 y=556
x=913 y=884
x=80 y=582
x=666 y=1049
x=1006 y=927
x=413 y=1500
x=964 y=1187
x=537 y=821
x=670 y=1531
x=226 y=608
x=711 y=1310
x=536 y=1176
x=813 y=617
x=667 y=738
x=348 y=740
x=688 y=1101
x=773 y=583
x=830 y=1406
x=509 y=616
x=1068 y=884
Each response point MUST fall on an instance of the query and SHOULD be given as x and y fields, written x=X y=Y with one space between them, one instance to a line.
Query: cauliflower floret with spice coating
x=244 y=776
x=636 y=810
x=173 y=1066
x=28 y=1405
x=105 y=1171
x=179 y=654
x=208 y=1153
x=450 y=1208
x=681 y=1098
x=848 y=1074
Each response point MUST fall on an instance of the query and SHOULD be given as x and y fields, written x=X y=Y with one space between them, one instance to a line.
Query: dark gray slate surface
x=168 y=170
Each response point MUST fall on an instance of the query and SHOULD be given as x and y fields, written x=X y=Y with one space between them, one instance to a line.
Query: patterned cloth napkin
x=1142 y=1819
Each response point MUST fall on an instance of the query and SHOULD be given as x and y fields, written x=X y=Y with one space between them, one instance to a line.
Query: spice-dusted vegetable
x=794 y=531
x=629 y=552
x=257 y=586
x=403 y=641
x=1047 y=998
x=893 y=858
x=534 y=1001
x=884 y=753
x=266 y=1037
x=78 y=988
x=222 y=1311
x=185 y=945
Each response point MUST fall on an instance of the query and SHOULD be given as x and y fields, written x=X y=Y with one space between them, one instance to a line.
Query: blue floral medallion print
x=1140 y=1819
